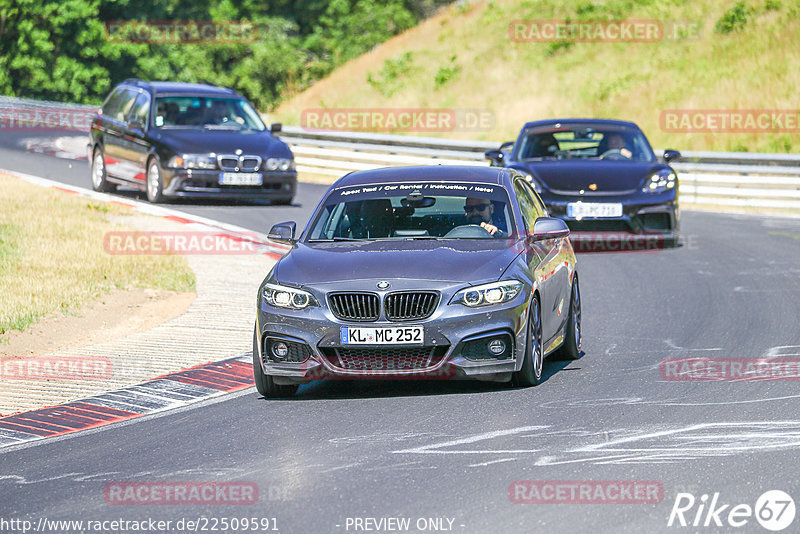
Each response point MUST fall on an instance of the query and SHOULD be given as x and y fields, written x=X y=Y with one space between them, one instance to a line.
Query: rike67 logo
x=774 y=510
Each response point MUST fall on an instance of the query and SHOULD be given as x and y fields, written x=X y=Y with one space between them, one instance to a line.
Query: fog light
x=280 y=350
x=497 y=347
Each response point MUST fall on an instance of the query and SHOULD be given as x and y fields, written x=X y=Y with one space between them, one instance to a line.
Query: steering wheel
x=468 y=230
x=614 y=153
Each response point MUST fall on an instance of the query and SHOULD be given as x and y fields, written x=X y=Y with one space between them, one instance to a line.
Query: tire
x=532 y=362
x=571 y=349
x=99 y=175
x=282 y=201
x=155 y=182
x=264 y=383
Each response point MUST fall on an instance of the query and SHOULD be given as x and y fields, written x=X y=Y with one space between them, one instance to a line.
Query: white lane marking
x=22 y=480
x=776 y=352
x=484 y=464
x=673 y=445
x=340 y=467
x=433 y=449
x=685 y=443
x=380 y=438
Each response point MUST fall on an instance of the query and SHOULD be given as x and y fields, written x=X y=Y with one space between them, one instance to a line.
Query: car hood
x=468 y=260
x=609 y=176
x=203 y=141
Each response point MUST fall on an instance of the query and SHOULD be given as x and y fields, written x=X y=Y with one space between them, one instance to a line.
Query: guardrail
x=733 y=179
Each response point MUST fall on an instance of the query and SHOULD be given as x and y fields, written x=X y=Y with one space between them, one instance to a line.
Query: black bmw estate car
x=597 y=175
x=419 y=272
x=188 y=140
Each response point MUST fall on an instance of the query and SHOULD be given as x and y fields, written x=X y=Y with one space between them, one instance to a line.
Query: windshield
x=418 y=211
x=584 y=141
x=206 y=112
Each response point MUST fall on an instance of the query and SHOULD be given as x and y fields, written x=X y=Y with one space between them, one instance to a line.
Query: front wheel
x=532 y=362
x=155 y=182
x=571 y=349
x=99 y=175
x=264 y=383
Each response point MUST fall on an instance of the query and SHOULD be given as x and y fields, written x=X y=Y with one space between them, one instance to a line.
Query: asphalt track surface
x=340 y=450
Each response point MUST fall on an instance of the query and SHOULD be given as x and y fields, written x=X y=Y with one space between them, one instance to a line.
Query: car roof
x=178 y=88
x=427 y=173
x=606 y=122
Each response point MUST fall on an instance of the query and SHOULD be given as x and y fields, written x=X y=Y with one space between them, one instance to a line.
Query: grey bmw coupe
x=419 y=272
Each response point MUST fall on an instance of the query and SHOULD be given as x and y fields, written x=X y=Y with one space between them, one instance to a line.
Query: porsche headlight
x=193 y=161
x=488 y=294
x=660 y=182
x=280 y=164
x=287 y=297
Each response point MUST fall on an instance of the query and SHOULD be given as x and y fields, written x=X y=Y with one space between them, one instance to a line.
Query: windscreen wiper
x=330 y=240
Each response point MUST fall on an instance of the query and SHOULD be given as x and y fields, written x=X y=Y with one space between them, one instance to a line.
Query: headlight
x=488 y=294
x=288 y=297
x=660 y=182
x=193 y=161
x=536 y=185
x=280 y=164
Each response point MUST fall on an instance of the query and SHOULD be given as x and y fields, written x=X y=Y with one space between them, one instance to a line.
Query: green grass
x=724 y=55
x=52 y=257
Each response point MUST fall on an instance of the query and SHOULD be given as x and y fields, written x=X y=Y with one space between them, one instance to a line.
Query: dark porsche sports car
x=420 y=272
x=597 y=175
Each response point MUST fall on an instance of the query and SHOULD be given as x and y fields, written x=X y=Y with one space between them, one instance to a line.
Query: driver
x=617 y=142
x=479 y=211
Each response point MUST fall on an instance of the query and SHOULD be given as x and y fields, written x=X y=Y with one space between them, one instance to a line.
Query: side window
x=127 y=103
x=525 y=205
x=141 y=109
x=112 y=103
x=119 y=104
x=541 y=210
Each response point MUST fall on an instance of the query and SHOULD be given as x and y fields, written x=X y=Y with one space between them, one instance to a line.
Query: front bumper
x=653 y=214
x=454 y=337
x=200 y=183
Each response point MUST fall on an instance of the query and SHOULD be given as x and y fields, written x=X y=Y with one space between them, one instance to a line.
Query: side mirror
x=283 y=232
x=275 y=127
x=496 y=157
x=669 y=155
x=136 y=125
x=549 y=228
